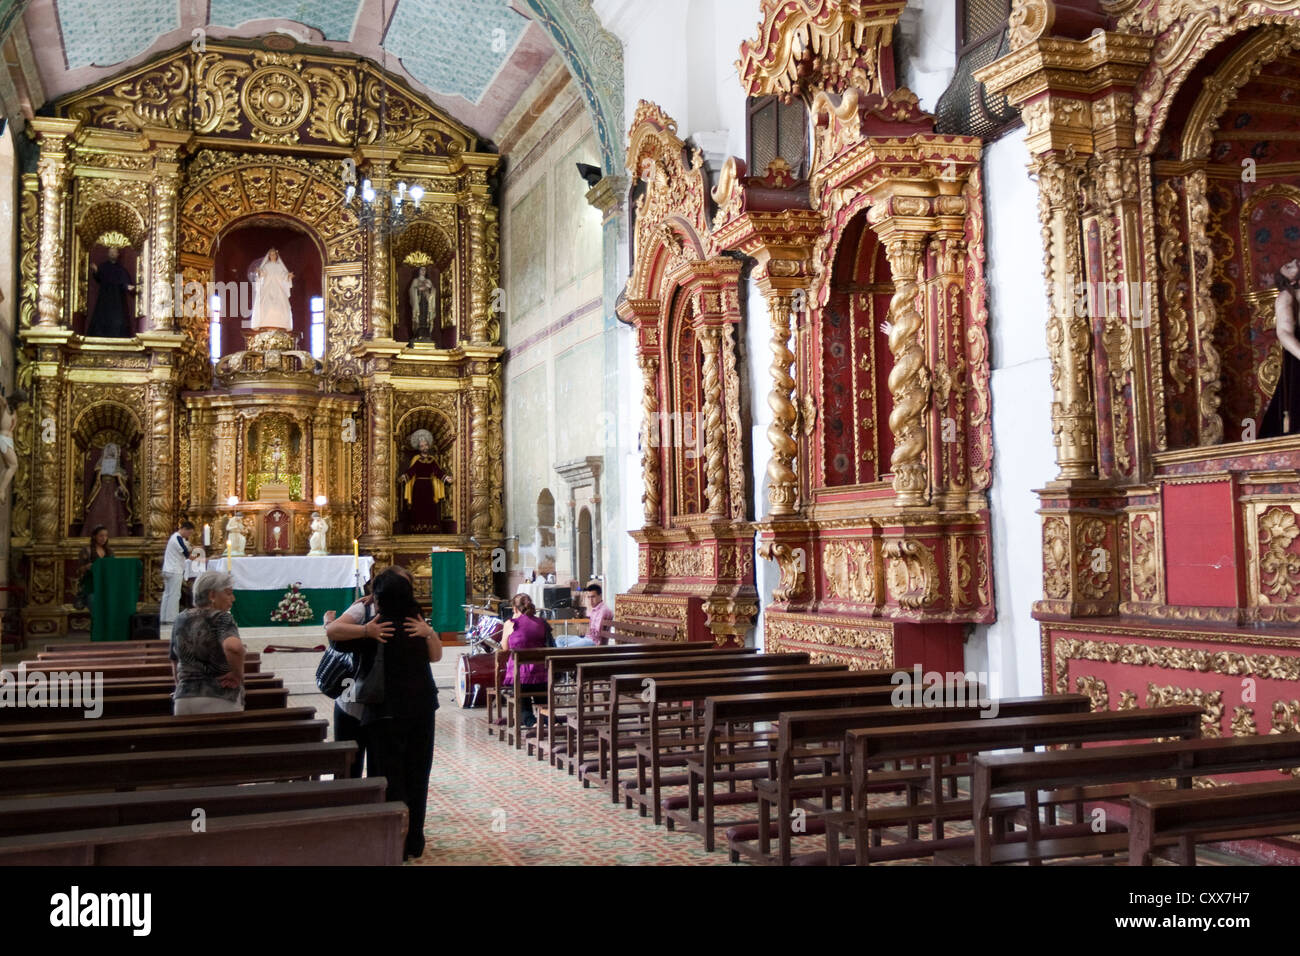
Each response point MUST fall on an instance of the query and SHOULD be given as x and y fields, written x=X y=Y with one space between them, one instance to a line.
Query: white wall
x=1023 y=456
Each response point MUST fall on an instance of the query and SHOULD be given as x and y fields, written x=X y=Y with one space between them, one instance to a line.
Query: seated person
x=525 y=630
x=599 y=614
x=206 y=652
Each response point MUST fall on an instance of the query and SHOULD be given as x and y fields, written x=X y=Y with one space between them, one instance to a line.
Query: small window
x=966 y=107
x=778 y=129
x=317 y=327
x=214 y=328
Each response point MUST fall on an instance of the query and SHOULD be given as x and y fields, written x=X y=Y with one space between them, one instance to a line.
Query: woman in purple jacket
x=525 y=630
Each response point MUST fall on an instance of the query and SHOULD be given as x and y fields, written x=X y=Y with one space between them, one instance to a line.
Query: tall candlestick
x=227 y=562
x=207 y=534
x=356 y=556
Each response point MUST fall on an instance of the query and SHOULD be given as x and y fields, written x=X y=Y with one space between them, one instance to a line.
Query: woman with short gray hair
x=207 y=651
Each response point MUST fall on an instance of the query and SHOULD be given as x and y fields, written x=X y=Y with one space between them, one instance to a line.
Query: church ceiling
x=473 y=58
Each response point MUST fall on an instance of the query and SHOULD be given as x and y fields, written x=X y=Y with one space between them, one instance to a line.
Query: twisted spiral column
x=714 y=434
x=782 y=489
x=650 y=438
x=909 y=383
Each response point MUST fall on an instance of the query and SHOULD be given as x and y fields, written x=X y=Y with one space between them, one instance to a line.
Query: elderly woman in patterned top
x=207 y=653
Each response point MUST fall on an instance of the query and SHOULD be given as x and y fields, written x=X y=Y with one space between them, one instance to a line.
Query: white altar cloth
x=268 y=574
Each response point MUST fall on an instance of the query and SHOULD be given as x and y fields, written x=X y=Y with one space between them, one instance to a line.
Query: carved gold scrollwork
x=1279 y=567
x=850 y=571
x=650 y=439
x=1095 y=564
x=1095 y=688
x=1209 y=701
x=1201 y=260
x=912 y=573
x=792 y=565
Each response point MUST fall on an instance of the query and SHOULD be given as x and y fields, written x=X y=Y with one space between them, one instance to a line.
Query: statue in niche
x=108 y=497
x=424 y=304
x=1282 y=417
x=424 y=487
x=319 y=531
x=112 y=316
x=236 y=535
x=271 y=285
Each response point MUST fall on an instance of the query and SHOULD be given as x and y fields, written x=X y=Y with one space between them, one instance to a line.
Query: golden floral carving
x=1095 y=566
x=650 y=467
x=1056 y=558
x=1209 y=701
x=1096 y=690
x=1171 y=268
x=850 y=571
x=1243 y=722
x=1127 y=700
x=794 y=635
x=1279 y=568
x=1205 y=312
x=1230 y=663
x=1145 y=561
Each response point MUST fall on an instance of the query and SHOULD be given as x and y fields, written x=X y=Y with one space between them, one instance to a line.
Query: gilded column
x=909 y=380
x=166 y=187
x=480 y=488
x=650 y=438
x=479 y=285
x=381 y=316
x=782 y=488
x=160 y=519
x=1201 y=276
x=1069 y=337
x=715 y=472
x=45 y=479
x=55 y=174
x=379 y=506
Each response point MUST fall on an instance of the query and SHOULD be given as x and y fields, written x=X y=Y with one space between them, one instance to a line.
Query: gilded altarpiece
x=881 y=441
x=695 y=551
x=1162 y=137
x=173 y=159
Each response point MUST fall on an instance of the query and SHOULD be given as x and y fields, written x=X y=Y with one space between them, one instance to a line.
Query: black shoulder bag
x=337 y=666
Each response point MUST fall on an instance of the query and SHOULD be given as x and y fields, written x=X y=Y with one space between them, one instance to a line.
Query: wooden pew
x=869 y=747
x=590 y=674
x=638 y=714
x=802 y=733
x=541 y=654
x=126 y=686
x=669 y=692
x=179 y=724
x=106 y=645
x=1090 y=771
x=565 y=688
x=717 y=746
x=1206 y=816
x=136 y=705
x=365 y=835
x=638 y=632
x=141 y=740
x=23 y=815
x=195 y=767
x=115 y=668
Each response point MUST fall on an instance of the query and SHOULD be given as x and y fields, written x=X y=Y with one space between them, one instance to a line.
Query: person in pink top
x=525 y=630
x=598 y=612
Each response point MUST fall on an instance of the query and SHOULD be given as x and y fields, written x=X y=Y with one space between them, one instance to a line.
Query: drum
x=473 y=678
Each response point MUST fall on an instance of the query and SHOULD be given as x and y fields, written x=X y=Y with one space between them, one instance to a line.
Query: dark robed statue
x=424 y=487
x=112 y=317
x=1282 y=417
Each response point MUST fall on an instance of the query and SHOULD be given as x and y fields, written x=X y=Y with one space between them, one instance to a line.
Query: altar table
x=327 y=582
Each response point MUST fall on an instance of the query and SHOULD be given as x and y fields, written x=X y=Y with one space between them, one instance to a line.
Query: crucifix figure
x=277 y=457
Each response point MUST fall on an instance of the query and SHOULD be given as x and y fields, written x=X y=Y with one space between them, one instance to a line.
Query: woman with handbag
x=526 y=630
x=397 y=694
x=356 y=622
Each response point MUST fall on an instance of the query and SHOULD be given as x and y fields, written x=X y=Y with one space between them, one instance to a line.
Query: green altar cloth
x=115 y=589
x=254 y=608
x=447 y=590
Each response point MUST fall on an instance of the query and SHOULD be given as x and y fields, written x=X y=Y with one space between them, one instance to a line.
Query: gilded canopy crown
x=806 y=46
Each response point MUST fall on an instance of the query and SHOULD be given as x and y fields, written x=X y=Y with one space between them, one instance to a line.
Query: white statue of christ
x=271 y=285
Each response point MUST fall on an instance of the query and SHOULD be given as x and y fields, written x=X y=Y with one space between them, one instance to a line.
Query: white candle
x=207 y=535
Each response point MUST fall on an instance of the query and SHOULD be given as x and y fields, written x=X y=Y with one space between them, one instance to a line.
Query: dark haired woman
x=1282 y=417
x=95 y=549
x=399 y=730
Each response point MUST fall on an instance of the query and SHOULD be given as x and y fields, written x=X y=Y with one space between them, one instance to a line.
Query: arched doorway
x=242 y=245
x=584 y=546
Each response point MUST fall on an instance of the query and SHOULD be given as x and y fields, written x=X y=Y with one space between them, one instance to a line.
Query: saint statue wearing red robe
x=424 y=487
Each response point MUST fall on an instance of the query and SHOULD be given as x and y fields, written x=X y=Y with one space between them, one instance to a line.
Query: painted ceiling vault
x=473 y=58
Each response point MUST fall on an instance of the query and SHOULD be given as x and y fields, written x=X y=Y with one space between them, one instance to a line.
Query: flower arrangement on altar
x=293 y=607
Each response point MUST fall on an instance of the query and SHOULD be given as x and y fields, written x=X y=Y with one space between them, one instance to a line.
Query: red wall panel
x=1203 y=558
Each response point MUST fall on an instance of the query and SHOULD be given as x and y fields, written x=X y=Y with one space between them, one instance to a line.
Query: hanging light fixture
x=403 y=203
